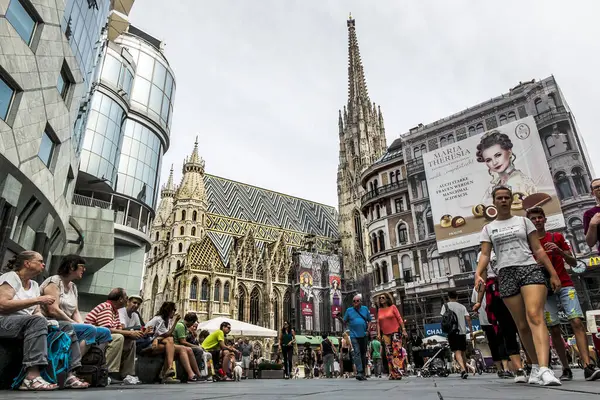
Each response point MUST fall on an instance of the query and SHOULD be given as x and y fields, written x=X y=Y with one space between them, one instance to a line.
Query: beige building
x=405 y=259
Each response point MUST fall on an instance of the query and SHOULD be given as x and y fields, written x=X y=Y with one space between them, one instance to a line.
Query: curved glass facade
x=154 y=87
x=139 y=163
x=116 y=73
x=102 y=140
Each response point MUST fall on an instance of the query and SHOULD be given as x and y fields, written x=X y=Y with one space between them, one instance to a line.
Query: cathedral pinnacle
x=168 y=190
x=195 y=162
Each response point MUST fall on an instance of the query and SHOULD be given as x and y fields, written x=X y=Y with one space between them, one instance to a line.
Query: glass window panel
x=139 y=172
x=128 y=185
x=123 y=164
x=6 y=95
x=127 y=81
x=141 y=91
x=111 y=69
x=126 y=146
x=145 y=66
x=121 y=184
x=92 y=119
x=159 y=75
x=169 y=85
x=105 y=105
x=46 y=149
x=102 y=124
x=94 y=164
x=113 y=153
x=61 y=84
x=106 y=149
x=164 y=113
x=115 y=113
x=156 y=99
x=85 y=159
x=20 y=19
x=153 y=115
x=137 y=132
x=132 y=166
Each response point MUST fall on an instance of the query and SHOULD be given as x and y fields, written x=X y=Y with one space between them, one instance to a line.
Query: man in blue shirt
x=358 y=317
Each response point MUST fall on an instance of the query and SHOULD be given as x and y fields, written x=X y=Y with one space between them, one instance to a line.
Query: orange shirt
x=389 y=320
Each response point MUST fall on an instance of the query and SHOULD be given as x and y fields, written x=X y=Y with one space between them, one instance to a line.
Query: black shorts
x=457 y=342
x=512 y=279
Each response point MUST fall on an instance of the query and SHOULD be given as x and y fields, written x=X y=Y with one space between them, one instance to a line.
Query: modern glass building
x=49 y=58
x=126 y=136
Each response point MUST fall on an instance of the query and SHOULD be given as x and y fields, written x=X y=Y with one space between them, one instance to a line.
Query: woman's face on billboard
x=496 y=158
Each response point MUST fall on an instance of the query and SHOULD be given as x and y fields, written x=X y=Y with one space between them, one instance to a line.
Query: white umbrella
x=238 y=328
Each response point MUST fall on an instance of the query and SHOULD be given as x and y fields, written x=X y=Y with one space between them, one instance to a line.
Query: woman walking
x=390 y=328
x=286 y=344
x=345 y=356
x=522 y=284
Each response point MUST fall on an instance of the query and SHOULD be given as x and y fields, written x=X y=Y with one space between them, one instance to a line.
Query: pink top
x=389 y=320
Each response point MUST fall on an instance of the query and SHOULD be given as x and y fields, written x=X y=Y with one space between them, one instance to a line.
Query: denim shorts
x=569 y=302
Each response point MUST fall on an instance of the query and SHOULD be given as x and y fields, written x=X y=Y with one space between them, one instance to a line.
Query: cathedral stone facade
x=362 y=142
x=224 y=248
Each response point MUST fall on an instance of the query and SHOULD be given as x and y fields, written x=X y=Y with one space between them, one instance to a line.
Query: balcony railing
x=90 y=202
x=560 y=113
x=384 y=189
x=415 y=166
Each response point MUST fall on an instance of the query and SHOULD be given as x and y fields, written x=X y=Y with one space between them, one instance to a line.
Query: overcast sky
x=260 y=82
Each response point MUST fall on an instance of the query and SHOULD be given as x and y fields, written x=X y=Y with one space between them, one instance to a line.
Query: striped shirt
x=105 y=315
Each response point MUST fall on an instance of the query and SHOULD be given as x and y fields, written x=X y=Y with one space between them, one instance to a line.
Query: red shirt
x=557 y=261
x=104 y=315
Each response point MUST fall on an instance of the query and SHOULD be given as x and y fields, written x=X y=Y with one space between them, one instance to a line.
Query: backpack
x=59 y=352
x=449 y=321
x=93 y=367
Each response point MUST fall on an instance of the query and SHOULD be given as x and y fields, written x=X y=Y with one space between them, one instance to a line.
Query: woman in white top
x=21 y=318
x=164 y=324
x=65 y=307
x=522 y=284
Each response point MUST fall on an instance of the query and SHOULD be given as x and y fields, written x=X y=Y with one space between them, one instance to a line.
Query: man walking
x=358 y=317
x=246 y=350
x=457 y=336
x=559 y=252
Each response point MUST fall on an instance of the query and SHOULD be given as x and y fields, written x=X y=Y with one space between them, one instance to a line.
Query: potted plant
x=270 y=370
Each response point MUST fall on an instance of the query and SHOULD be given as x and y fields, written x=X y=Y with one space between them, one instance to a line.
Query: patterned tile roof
x=262 y=206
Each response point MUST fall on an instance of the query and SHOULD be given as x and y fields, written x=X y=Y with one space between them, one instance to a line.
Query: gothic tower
x=362 y=142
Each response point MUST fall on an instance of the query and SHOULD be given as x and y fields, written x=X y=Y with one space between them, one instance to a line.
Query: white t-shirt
x=11 y=278
x=510 y=241
x=158 y=323
x=490 y=268
x=483 y=319
x=129 y=322
x=460 y=311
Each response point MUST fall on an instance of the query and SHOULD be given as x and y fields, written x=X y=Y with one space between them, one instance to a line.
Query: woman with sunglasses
x=286 y=346
x=391 y=330
x=522 y=284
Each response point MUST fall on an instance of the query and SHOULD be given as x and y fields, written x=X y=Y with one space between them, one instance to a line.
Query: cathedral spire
x=192 y=182
x=168 y=190
x=357 y=86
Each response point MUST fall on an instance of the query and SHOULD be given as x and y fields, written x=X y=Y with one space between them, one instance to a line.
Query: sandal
x=74 y=382
x=169 y=380
x=37 y=384
x=170 y=373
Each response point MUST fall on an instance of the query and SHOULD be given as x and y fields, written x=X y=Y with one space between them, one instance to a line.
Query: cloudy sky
x=260 y=82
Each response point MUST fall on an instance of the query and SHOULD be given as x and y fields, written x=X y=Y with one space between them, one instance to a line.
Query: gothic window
x=424 y=189
x=180 y=247
x=178 y=264
x=402 y=234
x=429 y=221
x=579 y=180
x=378 y=211
x=273 y=274
x=194 y=289
x=443 y=141
x=226 y=291
x=204 y=290
x=502 y=119
x=399 y=204
x=377 y=273
x=194 y=216
x=239 y=271
x=384 y=272
x=259 y=271
x=168 y=235
x=255 y=306
x=381 y=240
x=282 y=274
x=276 y=311
x=551 y=145
x=181 y=231
x=417 y=152
x=562 y=185
x=472 y=131
x=576 y=226
x=374 y=243
x=155 y=251
x=156 y=235
x=406 y=269
x=470 y=260
x=538 y=106
x=193 y=231
x=479 y=128
x=183 y=215
x=358 y=228
x=552 y=100
x=249 y=271
x=287 y=307
x=512 y=116
x=241 y=303
x=450 y=139
x=217 y=294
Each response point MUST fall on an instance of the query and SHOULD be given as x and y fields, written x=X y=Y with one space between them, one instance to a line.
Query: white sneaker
x=547 y=378
x=534 y=377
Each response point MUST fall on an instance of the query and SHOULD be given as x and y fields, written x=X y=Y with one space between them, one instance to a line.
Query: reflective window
x=6 y=96
x=46 y=149
x=145 y=66
x=141 y=91
x=111 y=70
x=63 y=82
x=21 y=20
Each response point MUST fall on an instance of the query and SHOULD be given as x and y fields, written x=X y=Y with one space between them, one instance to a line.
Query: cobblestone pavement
x=480 y=387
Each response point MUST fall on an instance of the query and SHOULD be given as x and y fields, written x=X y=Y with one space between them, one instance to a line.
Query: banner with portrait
x=461 y=177
x=335 y=295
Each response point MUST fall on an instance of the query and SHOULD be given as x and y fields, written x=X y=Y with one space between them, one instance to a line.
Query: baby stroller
x=480 y=365
x=436 y=365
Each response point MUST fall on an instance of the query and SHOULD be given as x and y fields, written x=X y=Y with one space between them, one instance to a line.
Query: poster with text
x=307 y=309
x=462 y=175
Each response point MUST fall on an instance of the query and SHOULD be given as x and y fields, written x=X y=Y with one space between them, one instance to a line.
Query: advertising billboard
x=436 y=328
x=462 y=175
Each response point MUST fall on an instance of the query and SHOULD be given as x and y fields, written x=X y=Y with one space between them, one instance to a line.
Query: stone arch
x=255 y=306
x=242 y=300
x=217 y=291
x=276 y=309
x=194 y=289
x=401 y=223
x=205 y=290
x=226 y=292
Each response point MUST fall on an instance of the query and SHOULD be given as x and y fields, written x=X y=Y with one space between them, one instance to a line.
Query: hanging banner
x=335 y=295
x=461 y=177
x=307 y=309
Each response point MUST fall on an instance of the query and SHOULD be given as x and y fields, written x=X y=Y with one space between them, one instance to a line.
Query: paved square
x=486 y=387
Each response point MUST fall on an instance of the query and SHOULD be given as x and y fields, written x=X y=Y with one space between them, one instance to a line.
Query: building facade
x=224 y=248
x=126 y=136
x=362 y=142
x=405 y=259
x=48 y=58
